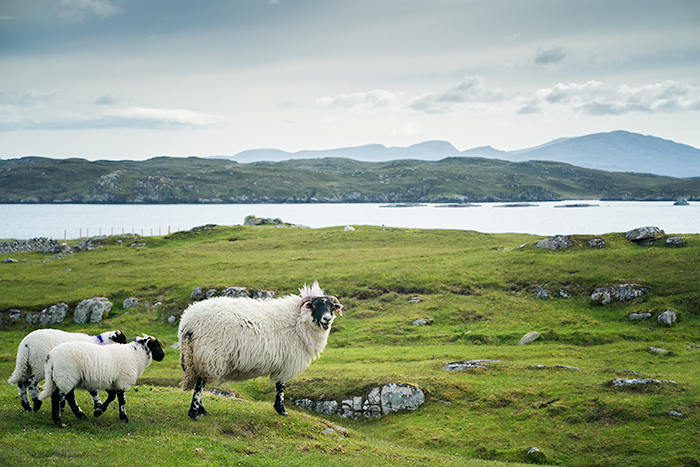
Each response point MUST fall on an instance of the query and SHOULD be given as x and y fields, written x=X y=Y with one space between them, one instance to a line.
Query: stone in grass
x=559 y=242
x=529 y=337
x=667 y=318
x=130 y=302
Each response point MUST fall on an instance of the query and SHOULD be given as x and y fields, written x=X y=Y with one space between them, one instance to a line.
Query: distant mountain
x=618 y=151
x=427 y=151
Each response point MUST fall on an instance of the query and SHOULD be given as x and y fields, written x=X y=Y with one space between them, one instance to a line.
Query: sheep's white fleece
x=35 y=347
x=234 y=339
x=93 y=367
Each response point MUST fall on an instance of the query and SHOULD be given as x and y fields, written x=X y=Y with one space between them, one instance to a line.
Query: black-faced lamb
x=113 y=368
x=32 y=353
x=235 y=339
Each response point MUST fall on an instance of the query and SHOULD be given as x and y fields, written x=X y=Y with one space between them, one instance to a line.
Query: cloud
x=107 y=99
x=362 y=103
x=593 y=98
x=7 y=17
x=30 y=98
x=470 y=90
x=133 y=117
x=550 y=57
x=76 y=11
x=410 y=128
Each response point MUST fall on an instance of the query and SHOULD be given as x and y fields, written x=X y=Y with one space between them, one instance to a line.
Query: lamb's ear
x=336 y=305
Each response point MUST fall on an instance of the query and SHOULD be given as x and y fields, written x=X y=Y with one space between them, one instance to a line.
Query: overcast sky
x=134 y=79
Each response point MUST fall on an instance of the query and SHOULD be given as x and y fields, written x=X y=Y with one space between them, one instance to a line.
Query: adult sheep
x=113 y=368
x=32 y=353
x=235 y=339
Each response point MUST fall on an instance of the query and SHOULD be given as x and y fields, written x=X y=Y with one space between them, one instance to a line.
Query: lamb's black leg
x=57 y=401
x=111 y=394
x=96 y=402
x=196 y=408
x=23 y=397
x=33 y=387
x=279 y=399
x=70 y=398
x=122 y=408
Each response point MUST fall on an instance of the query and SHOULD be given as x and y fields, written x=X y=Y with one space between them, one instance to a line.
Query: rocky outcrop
x=644 y=236
x=92 y=310
x=35 y=244
x=54 y=314
x=199 y=293
x=377 y=403
x=559 y=242
x=618 y=293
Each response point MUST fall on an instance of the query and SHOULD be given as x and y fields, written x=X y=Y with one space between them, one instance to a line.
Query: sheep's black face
x=156 y=349
x=119 y=337
x=322 y=310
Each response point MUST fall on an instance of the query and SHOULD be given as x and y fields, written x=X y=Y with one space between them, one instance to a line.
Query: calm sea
x=547 y=218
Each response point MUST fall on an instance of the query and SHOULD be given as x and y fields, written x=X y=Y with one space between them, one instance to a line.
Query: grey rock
x=596 y=243
x=42 y=244
x=559 y=367
x=15 y=315
x=467 y=364
x=559 y=242
x=667 y=318
x=31 y=318
x=10 y=260
x=529 y=337
x=263 y=295
x=414 y=300
x=675 y=413
x=54 y=314
x=644 y=236
x=422 y=322
x=252 y=220
x=638 y=316
x=222 y=393
x=657 y=350
x=92 y=310
x=397 y=397
x=533 y=450
x=541 y=292
x=563 y=293
x=638 y=381
x=211 y=293
x=171 y=319
x=675 y=242
x=234 y=292
x=130 y=302
x=620 y=293
x=198 y=294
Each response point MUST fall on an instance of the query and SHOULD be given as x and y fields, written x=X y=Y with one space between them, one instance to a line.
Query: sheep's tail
x=189 y=377
x=22 y=366
x=49 y=385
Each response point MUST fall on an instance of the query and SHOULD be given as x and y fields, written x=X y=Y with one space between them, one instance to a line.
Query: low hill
x=329 y=180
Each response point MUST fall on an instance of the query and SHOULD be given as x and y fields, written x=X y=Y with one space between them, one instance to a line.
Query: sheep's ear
x=336 y=305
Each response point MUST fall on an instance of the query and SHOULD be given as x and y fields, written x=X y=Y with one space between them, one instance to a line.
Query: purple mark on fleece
x=313 y=291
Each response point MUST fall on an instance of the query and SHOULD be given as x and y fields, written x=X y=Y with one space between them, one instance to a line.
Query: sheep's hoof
x=37 y=406
x=194 y=415
x=98 y=411
x=124 y=418
x=81 y=416
x=27 y=407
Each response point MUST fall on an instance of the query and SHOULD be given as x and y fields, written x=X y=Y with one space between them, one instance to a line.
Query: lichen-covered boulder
x=234 y=292
x=92 y=310
x=644 y=236
x=619 y=293
x=54 y=314
x=130 y=302
x=558 y=242
x=667 y=318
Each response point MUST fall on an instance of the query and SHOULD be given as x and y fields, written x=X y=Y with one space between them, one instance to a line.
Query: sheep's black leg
x=111 y=394
x=70 y=398
x=57 y=401
x=96 y=402
x=34 y=392
x=23 y=397
x=122 y=408
x=279 y=399
x=196 y=408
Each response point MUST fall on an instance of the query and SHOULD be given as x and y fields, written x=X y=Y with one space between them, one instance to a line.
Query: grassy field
x=478 y=290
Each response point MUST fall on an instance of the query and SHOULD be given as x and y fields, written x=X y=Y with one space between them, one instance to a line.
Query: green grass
x=478 y=289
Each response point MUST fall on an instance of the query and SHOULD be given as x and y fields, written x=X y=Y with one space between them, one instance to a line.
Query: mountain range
x=617 y=151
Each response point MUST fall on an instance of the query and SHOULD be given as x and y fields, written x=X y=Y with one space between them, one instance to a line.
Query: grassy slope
x=479 y=291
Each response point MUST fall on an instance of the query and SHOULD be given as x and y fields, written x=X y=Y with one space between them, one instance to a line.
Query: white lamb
x=32 y=353
x=234 y=339
x=112 y=368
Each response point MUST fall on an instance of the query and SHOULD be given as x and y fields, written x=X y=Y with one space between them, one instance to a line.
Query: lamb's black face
x=156 y=349
x=119 y=337
x=323 y=310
